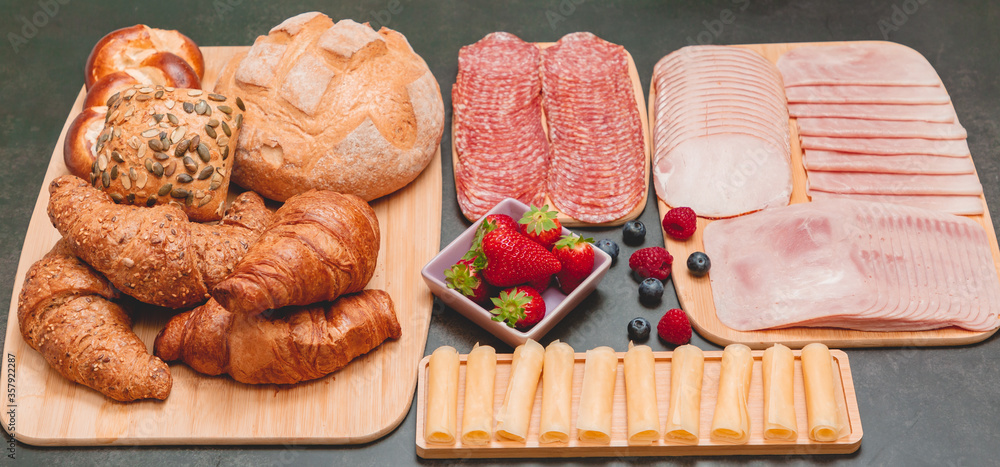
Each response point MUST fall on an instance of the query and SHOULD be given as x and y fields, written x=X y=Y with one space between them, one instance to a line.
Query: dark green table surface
x=919 y=406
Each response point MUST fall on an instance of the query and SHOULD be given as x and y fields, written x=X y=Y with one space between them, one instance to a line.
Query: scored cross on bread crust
x=333 y=106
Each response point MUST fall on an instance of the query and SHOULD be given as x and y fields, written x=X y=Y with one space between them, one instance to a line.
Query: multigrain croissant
x=66 y=314
x=153 y=254
x=318 y=246
x=296 y=344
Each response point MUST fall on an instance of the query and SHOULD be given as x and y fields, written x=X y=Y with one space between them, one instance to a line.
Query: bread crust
x=129 y=47
x=331 y=106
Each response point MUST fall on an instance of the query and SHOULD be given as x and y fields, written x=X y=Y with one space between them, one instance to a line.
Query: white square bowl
x=557 y=304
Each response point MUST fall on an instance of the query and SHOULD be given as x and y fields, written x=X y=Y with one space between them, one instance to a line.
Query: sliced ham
x=857 y=128
x=961 y=205
x=721 y=132
x=863 y=63
x=723 y=175
x=894 y=184
x=949 y=148
x=868 y=94
x=939 y=113
x=829 y=161
x=852 y=264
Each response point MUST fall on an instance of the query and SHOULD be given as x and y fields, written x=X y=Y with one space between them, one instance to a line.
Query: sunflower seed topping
x=150 y=133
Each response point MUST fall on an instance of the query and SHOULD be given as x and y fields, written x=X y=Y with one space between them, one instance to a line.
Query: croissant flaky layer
x=283 y=346
x=318 y=246
x=153 y=254
x=66 y=314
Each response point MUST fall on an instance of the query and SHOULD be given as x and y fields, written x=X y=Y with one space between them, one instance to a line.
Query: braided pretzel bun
x=142 y=46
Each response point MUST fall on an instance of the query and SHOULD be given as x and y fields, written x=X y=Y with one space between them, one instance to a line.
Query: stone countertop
x=919 y=406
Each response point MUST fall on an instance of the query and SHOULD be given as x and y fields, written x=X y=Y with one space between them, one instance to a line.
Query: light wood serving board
x=565 y=219
x=695 y=294
x=619 y=446
x=359 y=403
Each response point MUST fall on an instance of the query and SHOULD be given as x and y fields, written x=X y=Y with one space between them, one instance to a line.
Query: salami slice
x=501 y=146
x=598 y=165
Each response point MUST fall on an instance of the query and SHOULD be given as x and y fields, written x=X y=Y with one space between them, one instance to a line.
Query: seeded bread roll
x=163 y=145
x=338 y=107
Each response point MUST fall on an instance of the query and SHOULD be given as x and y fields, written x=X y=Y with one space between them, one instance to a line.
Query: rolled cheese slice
x=514 y=415
x=687 y=366
x=557 y=393
x=779 y=394
x=593 y=419
x=731 y=421
x=442 y=396
x=825 y=424
x=640 y=395
x=477 y=413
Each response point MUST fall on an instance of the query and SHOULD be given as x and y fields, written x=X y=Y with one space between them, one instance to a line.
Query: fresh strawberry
x=520 y=307
x=541 y=283
x=512 y=258
x=466 y=280
x=577 y=257
x=489 y=224
x=674 y=327
x=680 y=223
x=541 y=225
x=651 y=262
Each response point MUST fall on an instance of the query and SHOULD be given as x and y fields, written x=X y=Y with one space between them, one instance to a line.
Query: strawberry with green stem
x=520 y=307
x=576 y=255
x=512 y=259
x=541 y=225
x=489 y=224
x=466 y=279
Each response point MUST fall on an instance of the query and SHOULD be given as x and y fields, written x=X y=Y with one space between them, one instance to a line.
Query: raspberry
x=674 y=327
x=680 y=223
x=651 y=262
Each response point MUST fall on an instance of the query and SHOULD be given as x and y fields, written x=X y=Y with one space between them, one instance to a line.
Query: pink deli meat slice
x=822 y=264
x=938 y=113
x=962 y=205
x=724 y=175
x=720 y=132
x=867 y=95
x=865 y=63
x=828 y=161
x=857 y=128
x=949 y=148
x=894 y=184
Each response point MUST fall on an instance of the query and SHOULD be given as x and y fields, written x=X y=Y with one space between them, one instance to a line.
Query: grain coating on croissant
x=66 y=314
x=284 y=347
x=153 y=254
x=318 y=246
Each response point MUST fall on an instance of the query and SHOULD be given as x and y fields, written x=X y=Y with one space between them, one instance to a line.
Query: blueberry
x=650 y=291
x=699 y=264
x=610 y=247
x=638 y=330
x=634 y=232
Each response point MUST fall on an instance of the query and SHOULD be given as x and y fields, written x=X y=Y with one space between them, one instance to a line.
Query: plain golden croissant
x=153 y=254
x=295 y=344
x=66 y=314
x=318 y=246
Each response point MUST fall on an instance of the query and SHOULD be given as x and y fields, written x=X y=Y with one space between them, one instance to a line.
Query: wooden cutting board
x=357 y=404
x=565 y=219
x=846 y=400
x=695 y=294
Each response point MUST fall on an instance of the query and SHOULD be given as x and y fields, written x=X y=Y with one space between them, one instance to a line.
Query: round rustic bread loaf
x=332 y=106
